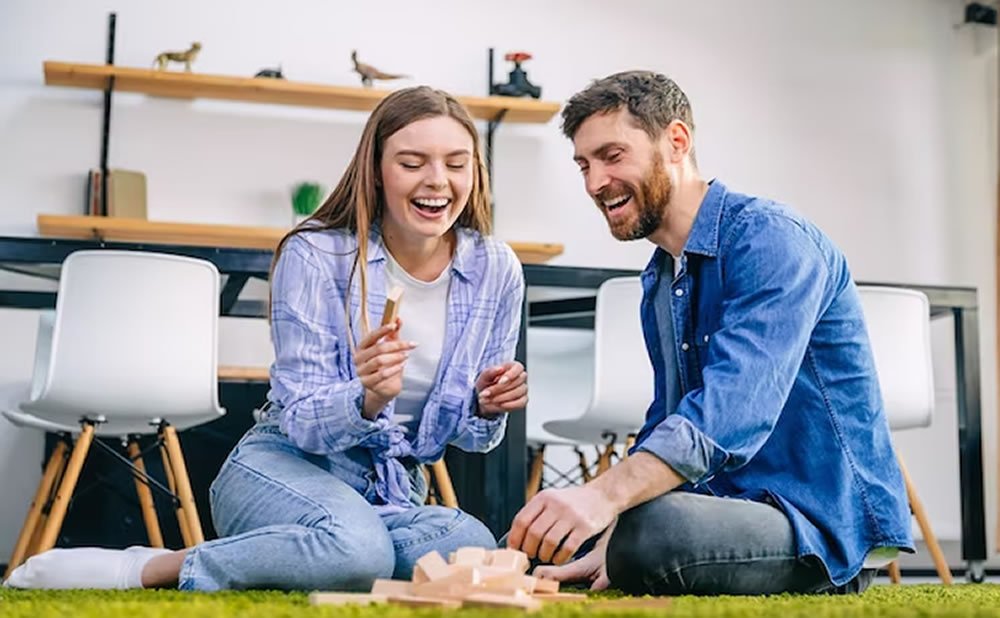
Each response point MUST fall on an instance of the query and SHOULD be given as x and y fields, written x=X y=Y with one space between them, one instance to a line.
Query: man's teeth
x=616 y=202
x=432 y=203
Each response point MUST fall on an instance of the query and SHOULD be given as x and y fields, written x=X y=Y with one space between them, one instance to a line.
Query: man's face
x=624 y=173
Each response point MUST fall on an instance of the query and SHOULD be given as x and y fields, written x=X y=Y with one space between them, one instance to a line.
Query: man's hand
x=591 y=568
x=502 y=388
x=556 y=522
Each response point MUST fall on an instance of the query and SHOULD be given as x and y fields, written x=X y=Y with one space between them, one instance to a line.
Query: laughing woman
x=326 y=491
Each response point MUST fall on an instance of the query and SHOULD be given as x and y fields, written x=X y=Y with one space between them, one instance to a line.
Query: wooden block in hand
x=433 y=566
x=470 y=556
x=391 y=587
x=517 y=601
x=510 y=559
x=392 y=300
x=544 y=586
x=345 y=598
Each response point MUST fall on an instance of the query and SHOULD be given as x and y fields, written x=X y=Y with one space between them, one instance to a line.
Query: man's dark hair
x=653 y=100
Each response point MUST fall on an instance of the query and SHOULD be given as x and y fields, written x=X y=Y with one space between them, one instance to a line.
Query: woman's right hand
x=379 y=360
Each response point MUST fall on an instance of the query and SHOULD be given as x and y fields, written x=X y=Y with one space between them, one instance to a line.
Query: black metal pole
x=106 y=126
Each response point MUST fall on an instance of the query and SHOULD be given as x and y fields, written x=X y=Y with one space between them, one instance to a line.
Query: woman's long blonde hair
x=357 y=200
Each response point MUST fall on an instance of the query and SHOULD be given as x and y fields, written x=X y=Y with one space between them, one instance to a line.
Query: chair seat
x=584 y=430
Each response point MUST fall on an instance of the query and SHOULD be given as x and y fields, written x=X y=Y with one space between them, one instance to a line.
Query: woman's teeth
x=432 y=205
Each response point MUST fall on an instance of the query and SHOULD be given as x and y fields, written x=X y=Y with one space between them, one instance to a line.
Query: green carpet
x=925 y=601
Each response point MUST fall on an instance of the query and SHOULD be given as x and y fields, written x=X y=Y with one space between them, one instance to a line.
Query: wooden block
x=510 y=559
x=419 y=576
x=463 y=580
x=471 y=556
x=346 y=598
x=393 y=587
x=560 y=597
x=414 y=601
x=503 y=581
x=545 y=586
x=392 y=300
x=631 y=603
x=433 y=566
x=521 y=601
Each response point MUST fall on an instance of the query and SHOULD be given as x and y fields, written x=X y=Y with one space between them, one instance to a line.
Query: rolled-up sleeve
x=774 y=282
x=321 y=405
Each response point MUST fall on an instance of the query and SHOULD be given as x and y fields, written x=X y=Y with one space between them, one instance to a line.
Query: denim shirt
x=315 y=387
x=779 y=399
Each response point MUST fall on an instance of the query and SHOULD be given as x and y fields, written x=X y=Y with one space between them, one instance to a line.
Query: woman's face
x=426 y=173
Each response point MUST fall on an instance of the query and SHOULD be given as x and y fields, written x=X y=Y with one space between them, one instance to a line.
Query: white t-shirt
x=423 y=311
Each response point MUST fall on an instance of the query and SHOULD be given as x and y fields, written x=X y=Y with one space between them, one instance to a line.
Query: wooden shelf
x=192 y=85
x=232 y=373
x=121 y=229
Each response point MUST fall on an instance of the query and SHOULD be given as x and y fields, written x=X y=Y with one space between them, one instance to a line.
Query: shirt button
x=705 y=339
x=685 y=346
x=678 y=292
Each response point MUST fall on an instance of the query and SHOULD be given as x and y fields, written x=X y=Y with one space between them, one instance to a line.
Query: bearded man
x=765 y=463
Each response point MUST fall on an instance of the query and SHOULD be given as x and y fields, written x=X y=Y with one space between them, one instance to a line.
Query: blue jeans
x=684 y=543
x=291 y=520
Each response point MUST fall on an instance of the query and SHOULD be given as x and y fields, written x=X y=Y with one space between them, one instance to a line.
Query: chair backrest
x=560 y=369
x=898 y=322
x=623 y=376
x=622 y=386
x=135 y=338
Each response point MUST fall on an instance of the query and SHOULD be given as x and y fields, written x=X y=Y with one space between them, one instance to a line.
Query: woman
x=326 y=490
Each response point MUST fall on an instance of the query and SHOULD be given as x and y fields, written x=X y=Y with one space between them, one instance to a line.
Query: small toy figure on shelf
x=369 y=73
x=271 y=73
x=517 y=84
x=187 y=57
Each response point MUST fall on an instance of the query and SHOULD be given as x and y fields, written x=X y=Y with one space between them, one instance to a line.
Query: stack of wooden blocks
x=475 y=577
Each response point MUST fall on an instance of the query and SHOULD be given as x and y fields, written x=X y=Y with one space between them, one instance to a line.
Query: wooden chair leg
x=443 y=481
x=184 y=493
x=31 y=520
x=49 y=499
x=940 y=564
x=604 y=459
x=629 y=443
x=145 y=497
x=431 y=491
x=535 y=475
x=584 y=466
x=172 y=486
x=894 y=575
x=61 y=502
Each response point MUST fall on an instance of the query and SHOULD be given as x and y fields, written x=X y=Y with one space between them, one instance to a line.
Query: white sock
x=84 y=567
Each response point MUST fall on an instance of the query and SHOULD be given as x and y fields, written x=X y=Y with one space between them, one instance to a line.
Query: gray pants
x=682 y=543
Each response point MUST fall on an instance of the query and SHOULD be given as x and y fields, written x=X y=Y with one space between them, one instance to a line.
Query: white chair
x=560 y=367
x=622 y=377
x=898 y=323
x=131 y=349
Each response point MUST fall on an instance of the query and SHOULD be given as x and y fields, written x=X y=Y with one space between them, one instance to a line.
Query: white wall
x=877 y=119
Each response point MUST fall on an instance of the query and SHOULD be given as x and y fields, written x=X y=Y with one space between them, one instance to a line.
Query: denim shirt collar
x=704 y=236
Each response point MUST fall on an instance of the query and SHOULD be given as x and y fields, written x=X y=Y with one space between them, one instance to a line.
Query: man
x=765 y=463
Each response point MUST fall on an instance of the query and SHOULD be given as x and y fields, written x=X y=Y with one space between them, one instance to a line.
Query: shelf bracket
x=106 y=123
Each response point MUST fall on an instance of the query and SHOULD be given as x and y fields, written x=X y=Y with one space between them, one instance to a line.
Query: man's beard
x=650 y=199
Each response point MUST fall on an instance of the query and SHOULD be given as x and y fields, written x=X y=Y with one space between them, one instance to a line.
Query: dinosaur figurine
x=369 y=73
x=187 y=57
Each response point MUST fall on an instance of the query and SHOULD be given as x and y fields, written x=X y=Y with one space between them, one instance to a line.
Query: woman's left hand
x=502 y=389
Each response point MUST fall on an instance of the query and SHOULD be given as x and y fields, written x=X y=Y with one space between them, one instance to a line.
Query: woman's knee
x=351 y=559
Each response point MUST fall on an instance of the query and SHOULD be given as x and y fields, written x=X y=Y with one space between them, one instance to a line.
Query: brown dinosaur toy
x=187 y=57
x=369 y=73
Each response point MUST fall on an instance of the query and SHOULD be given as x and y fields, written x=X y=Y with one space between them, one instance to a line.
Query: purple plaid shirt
x=313 y=379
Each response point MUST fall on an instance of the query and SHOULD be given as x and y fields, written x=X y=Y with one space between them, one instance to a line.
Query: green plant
x=306 y=197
